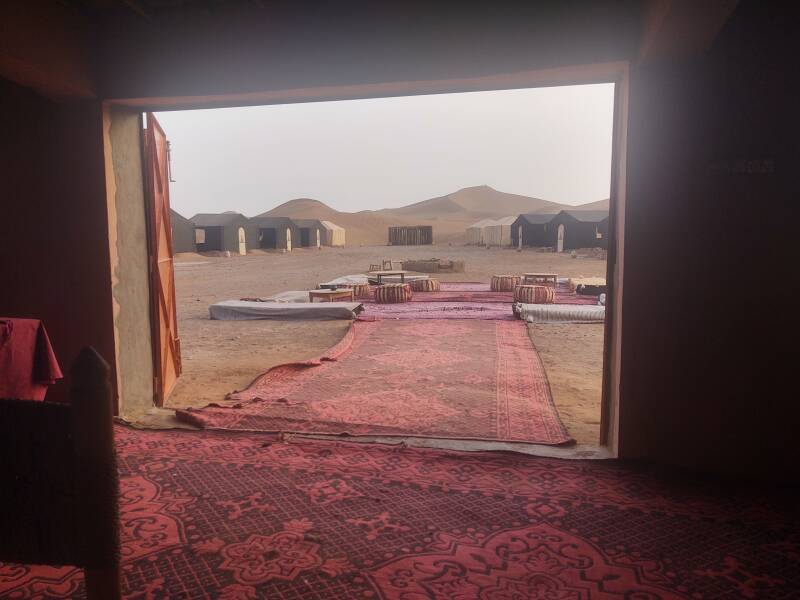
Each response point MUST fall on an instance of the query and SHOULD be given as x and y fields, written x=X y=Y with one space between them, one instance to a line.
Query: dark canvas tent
x=182 y=233
x=580 y=229
x=312 y=233
x=535 y=229
x=275 y=233
x=229 y=231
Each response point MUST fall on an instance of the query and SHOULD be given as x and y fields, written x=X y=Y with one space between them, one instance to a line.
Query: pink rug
x=469 y=379
x=499 y=311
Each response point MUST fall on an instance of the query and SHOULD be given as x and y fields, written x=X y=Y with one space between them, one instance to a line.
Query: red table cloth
x=28 y=364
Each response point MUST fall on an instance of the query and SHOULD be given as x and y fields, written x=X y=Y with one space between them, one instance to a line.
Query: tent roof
x=331 y=226
x=587 y=216
x=273 y=222
x=538 y=218
x=176 y=216
x=307 y=222
x=481 y=223
x=217 y=220
x=502 y=221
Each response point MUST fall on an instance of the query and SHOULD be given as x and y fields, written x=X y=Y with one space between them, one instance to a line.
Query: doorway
x=268 y=238
x=551 y=341
x=242 y=242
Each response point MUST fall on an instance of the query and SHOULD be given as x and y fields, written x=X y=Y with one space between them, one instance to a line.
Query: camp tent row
x=235 y=233
x=565 y=230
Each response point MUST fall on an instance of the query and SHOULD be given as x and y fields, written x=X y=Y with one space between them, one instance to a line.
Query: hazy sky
x=551 y=143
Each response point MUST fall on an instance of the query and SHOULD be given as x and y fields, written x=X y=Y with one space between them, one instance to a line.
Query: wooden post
x=98 y=480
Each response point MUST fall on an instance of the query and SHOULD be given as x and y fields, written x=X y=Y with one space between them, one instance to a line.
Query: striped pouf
x=426 y=285
x=505 y=283
x=392 y=293
x=361 y=290
x=534 y=294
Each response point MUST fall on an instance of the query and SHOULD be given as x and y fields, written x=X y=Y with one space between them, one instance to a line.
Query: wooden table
x=379 y=274
x=332 y=295
x=543 y=278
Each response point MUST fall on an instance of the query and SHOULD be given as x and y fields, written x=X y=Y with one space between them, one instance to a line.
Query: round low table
x=426 y=285
x=393 y=293
x=505 y=283
x=534 y=294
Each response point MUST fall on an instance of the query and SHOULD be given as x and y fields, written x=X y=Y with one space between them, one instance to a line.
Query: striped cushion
x=534 y=294
x=505 y=283
x=361 y=290
x=426 y=285
x=392 y=293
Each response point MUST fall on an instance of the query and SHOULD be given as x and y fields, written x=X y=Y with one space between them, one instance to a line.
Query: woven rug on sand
x=234 y=516
x=467 y=379
x=438 y=310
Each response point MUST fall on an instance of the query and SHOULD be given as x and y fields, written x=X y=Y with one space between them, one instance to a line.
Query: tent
x=182 y=233
x=475 y=232
x=229 y=231
x=276 y=233
x=334 y=235
x=498 y=232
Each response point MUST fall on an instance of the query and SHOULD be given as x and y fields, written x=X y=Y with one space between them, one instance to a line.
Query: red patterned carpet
x=469 y=379
x=237 y=517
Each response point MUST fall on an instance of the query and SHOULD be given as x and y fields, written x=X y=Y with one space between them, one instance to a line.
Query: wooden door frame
x=616 y=73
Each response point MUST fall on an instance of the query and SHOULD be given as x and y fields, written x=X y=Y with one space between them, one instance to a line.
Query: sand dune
x=449 y=215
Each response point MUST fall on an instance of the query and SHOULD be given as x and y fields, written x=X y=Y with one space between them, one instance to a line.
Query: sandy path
x=222 y=356
x=573 y=358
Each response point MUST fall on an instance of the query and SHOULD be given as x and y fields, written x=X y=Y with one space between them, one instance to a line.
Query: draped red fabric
x=28 y=364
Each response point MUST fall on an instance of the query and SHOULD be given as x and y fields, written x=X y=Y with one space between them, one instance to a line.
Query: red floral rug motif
x=339 y=521
x=537 y=561
x=469 y=379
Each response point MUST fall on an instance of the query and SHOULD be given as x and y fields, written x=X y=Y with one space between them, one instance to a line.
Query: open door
x=242 y=242
x=164 y=319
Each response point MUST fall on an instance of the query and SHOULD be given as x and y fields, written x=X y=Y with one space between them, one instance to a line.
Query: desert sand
x=222 y=356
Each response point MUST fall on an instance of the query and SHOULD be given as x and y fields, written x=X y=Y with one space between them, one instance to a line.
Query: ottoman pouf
x=361 y=290
x=534 y=294
x=392 y=293
x=426 y=285
x=505 y=283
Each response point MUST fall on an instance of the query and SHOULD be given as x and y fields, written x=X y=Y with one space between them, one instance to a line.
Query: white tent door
x=561 y=238
x=318 y=244
x=288 y=240
x=242 y=242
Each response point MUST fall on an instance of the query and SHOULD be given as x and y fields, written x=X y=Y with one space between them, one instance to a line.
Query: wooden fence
x=418 y=235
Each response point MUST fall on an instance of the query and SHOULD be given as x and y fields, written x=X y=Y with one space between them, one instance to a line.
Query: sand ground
x=222 y=356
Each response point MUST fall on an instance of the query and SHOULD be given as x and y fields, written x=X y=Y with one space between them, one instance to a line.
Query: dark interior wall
x=240 y=47
x=53 y=226
x=710 y=223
